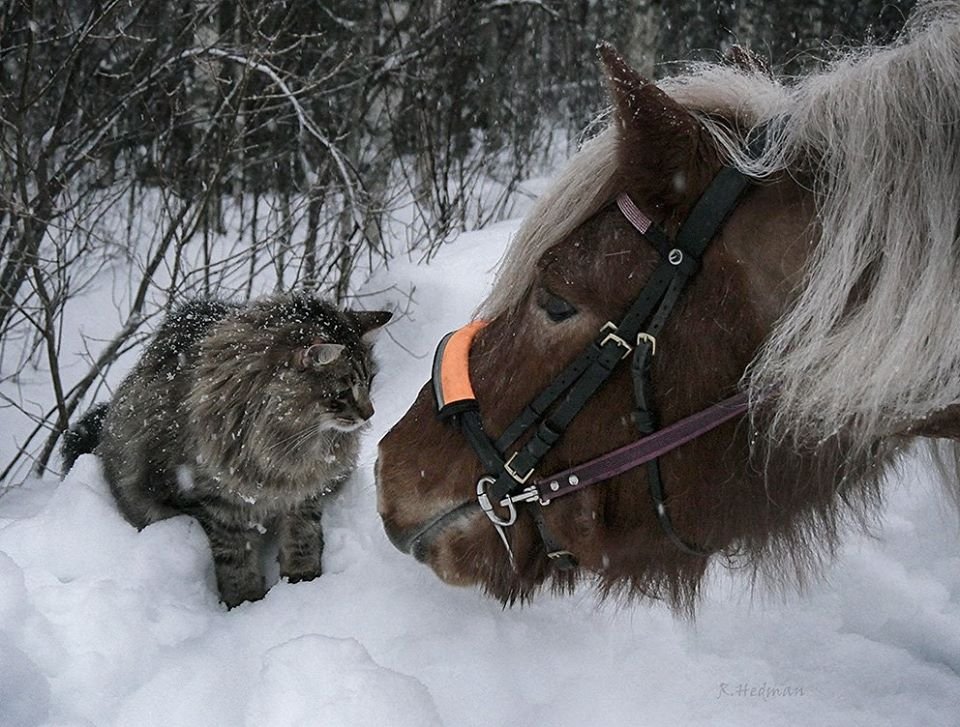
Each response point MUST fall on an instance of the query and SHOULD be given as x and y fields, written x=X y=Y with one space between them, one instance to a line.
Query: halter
x=510 y=480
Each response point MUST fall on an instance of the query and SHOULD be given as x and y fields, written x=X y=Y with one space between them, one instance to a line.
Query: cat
x=245 y=417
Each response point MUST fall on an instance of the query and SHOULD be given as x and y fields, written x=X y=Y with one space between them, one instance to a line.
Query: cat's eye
x=556 y=308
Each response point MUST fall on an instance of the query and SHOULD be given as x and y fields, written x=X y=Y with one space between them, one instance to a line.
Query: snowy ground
x=101 y=625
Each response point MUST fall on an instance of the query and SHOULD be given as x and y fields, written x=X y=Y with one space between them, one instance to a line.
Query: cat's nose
x=365 y=409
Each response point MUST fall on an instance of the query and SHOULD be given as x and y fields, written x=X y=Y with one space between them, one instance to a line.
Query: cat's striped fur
x=244 y=417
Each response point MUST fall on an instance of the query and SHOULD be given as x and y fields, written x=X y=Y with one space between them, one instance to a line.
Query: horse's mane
x=870 y=342
x=583 y=187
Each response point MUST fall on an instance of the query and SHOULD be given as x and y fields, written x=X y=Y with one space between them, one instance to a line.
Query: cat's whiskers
x=297 y=436
x=282 y=443
x=291 y=443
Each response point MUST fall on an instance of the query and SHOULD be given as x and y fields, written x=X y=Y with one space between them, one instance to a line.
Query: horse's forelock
x=581 y=188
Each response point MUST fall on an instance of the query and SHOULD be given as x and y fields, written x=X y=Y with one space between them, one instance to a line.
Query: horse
x=712 y=338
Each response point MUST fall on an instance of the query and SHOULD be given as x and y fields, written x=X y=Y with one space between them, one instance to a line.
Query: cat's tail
x=83 y=436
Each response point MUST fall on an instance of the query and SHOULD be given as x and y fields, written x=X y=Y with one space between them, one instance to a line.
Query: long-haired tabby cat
x=244 y=417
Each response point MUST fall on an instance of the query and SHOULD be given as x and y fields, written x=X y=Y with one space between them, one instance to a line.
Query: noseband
x=510 y=478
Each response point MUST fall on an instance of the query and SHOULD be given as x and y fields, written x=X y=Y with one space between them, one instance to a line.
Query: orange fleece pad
x=451 y=372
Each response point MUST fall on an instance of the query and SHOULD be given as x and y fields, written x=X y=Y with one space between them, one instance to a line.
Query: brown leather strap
x=641 y=451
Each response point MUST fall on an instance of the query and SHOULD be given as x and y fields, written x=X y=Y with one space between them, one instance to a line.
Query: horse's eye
x=557 y=308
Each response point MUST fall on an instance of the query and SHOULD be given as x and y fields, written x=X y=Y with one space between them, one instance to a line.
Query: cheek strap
x=455 y=399
x=452 y=389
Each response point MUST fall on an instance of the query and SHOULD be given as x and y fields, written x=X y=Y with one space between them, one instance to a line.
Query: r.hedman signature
x=762 y=691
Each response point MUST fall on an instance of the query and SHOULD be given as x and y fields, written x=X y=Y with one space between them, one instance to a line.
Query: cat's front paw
x=303 y=573
x=234 y=595
x=300 y=557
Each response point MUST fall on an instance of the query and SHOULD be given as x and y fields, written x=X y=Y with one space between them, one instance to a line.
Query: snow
x=101 y=625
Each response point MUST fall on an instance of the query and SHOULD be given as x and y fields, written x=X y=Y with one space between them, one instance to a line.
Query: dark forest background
x=209 y=144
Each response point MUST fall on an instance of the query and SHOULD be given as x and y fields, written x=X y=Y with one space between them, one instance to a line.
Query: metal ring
x=675 y=256
x=487 y=506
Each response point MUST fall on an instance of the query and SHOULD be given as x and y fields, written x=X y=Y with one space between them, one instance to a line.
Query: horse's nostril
x=408 y=541
x=419 y=550
x=401 y=539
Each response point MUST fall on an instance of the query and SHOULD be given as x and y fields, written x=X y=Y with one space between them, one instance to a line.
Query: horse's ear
x=746 y=60
x=658 y=136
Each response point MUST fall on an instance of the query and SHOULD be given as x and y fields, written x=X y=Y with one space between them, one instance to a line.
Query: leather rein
x=510 y=480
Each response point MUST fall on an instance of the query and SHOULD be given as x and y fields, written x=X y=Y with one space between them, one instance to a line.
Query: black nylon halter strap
x=700 y=228
x=664 y=288
x=710 y=211
x=538 y=407
x=576 y=384
x=604 y=355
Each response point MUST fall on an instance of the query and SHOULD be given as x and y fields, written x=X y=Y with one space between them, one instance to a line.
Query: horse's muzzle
x=416 y=540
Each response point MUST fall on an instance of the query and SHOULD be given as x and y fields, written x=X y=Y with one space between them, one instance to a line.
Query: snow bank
x=101 y=625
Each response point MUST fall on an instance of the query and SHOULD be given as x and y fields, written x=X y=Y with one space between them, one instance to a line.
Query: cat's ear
x=369 y=320
x=317 y=354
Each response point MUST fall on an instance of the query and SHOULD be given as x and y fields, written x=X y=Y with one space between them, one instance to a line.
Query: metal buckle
x=611 y=328
x=649 y=339
x=513 y=473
